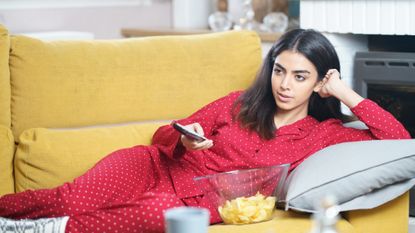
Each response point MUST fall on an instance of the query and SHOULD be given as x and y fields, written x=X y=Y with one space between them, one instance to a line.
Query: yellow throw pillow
x=6 y=161
x=46 y=158
x=4 y=77
x=63 y=84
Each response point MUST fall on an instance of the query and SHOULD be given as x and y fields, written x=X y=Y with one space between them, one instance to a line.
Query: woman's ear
x=318 y=86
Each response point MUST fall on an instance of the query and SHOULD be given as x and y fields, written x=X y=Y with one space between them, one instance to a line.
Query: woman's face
x=294 y=78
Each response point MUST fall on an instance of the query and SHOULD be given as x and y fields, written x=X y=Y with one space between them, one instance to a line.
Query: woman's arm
x=381 y=124
x=167 y=138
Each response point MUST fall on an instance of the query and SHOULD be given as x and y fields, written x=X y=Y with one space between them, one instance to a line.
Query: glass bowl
x=245 y=196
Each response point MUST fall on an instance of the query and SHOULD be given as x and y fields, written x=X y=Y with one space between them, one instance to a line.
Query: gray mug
x=186 y=220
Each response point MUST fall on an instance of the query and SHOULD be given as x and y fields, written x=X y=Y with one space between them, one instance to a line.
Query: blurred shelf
x=140 y=32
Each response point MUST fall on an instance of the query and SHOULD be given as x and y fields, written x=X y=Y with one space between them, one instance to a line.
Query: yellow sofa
x=66 y=104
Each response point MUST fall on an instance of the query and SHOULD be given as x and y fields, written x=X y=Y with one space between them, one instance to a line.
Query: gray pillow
x=361 y=175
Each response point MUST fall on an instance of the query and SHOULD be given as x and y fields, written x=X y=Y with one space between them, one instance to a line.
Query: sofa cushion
x=361 y=175
x=4 y=77
x=80 y=83
x=46 y=158
x=283 y=221
x=6 y=160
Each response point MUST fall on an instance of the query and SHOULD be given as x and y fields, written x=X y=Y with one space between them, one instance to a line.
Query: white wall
x=105 y=22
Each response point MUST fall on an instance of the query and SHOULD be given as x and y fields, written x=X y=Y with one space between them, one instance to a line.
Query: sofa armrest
x=390 y=217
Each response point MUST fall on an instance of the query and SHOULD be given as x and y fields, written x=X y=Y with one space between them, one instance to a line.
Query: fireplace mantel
x=381 y=17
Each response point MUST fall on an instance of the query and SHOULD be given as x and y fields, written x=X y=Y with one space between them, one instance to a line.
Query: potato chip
x=243 y=210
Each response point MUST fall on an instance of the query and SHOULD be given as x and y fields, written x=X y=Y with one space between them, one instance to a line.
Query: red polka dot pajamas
x=129 y=189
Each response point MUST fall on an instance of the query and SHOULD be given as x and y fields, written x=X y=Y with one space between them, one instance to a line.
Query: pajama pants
x=127 y=191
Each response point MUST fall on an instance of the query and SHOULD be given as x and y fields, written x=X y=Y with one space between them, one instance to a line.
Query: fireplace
x=398 y=100
x=388 y=78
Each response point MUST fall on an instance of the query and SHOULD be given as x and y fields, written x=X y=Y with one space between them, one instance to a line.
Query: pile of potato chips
x=243 y=210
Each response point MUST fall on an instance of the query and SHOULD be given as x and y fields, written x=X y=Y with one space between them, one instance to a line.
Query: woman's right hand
x=191 y=144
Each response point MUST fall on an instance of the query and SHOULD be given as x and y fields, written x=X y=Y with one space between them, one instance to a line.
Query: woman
x=291 y=111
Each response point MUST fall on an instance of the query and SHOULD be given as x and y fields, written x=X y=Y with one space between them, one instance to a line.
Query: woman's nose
x=285 y=82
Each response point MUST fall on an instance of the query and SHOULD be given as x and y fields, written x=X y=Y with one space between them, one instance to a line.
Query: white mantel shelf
x=381 y=17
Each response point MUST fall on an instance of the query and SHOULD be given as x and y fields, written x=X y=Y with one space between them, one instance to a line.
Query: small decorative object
x=275 y=22
x=220 y=21
x=326 y=217
x=191 y=14
x=247 y=20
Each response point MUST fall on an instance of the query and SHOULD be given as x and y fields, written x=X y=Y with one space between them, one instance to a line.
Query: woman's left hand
x=332 y=85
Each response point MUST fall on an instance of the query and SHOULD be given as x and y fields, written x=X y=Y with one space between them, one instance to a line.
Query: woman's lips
x=284 y=98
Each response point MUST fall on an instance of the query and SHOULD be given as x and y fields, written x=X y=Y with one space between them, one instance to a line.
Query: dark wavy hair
x=257 y=105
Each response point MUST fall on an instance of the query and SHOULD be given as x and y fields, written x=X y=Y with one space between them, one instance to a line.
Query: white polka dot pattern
x=237 y=148
x=129 y=190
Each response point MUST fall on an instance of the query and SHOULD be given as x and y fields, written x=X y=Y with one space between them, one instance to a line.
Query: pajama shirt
x=129 y=190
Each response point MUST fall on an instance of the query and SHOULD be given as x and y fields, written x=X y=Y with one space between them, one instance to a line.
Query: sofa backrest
x=4 y=78
x=71 y=84
x=62 y=84
x=6 y=138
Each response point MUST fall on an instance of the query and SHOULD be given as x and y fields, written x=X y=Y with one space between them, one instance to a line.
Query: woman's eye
x=299 y=78
x=277 y=71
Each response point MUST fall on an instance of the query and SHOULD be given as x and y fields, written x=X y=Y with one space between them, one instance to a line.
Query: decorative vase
x=191 y=14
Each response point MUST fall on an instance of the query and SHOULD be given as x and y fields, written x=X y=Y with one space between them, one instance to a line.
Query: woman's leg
x=119 y=177
x=143 y=214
